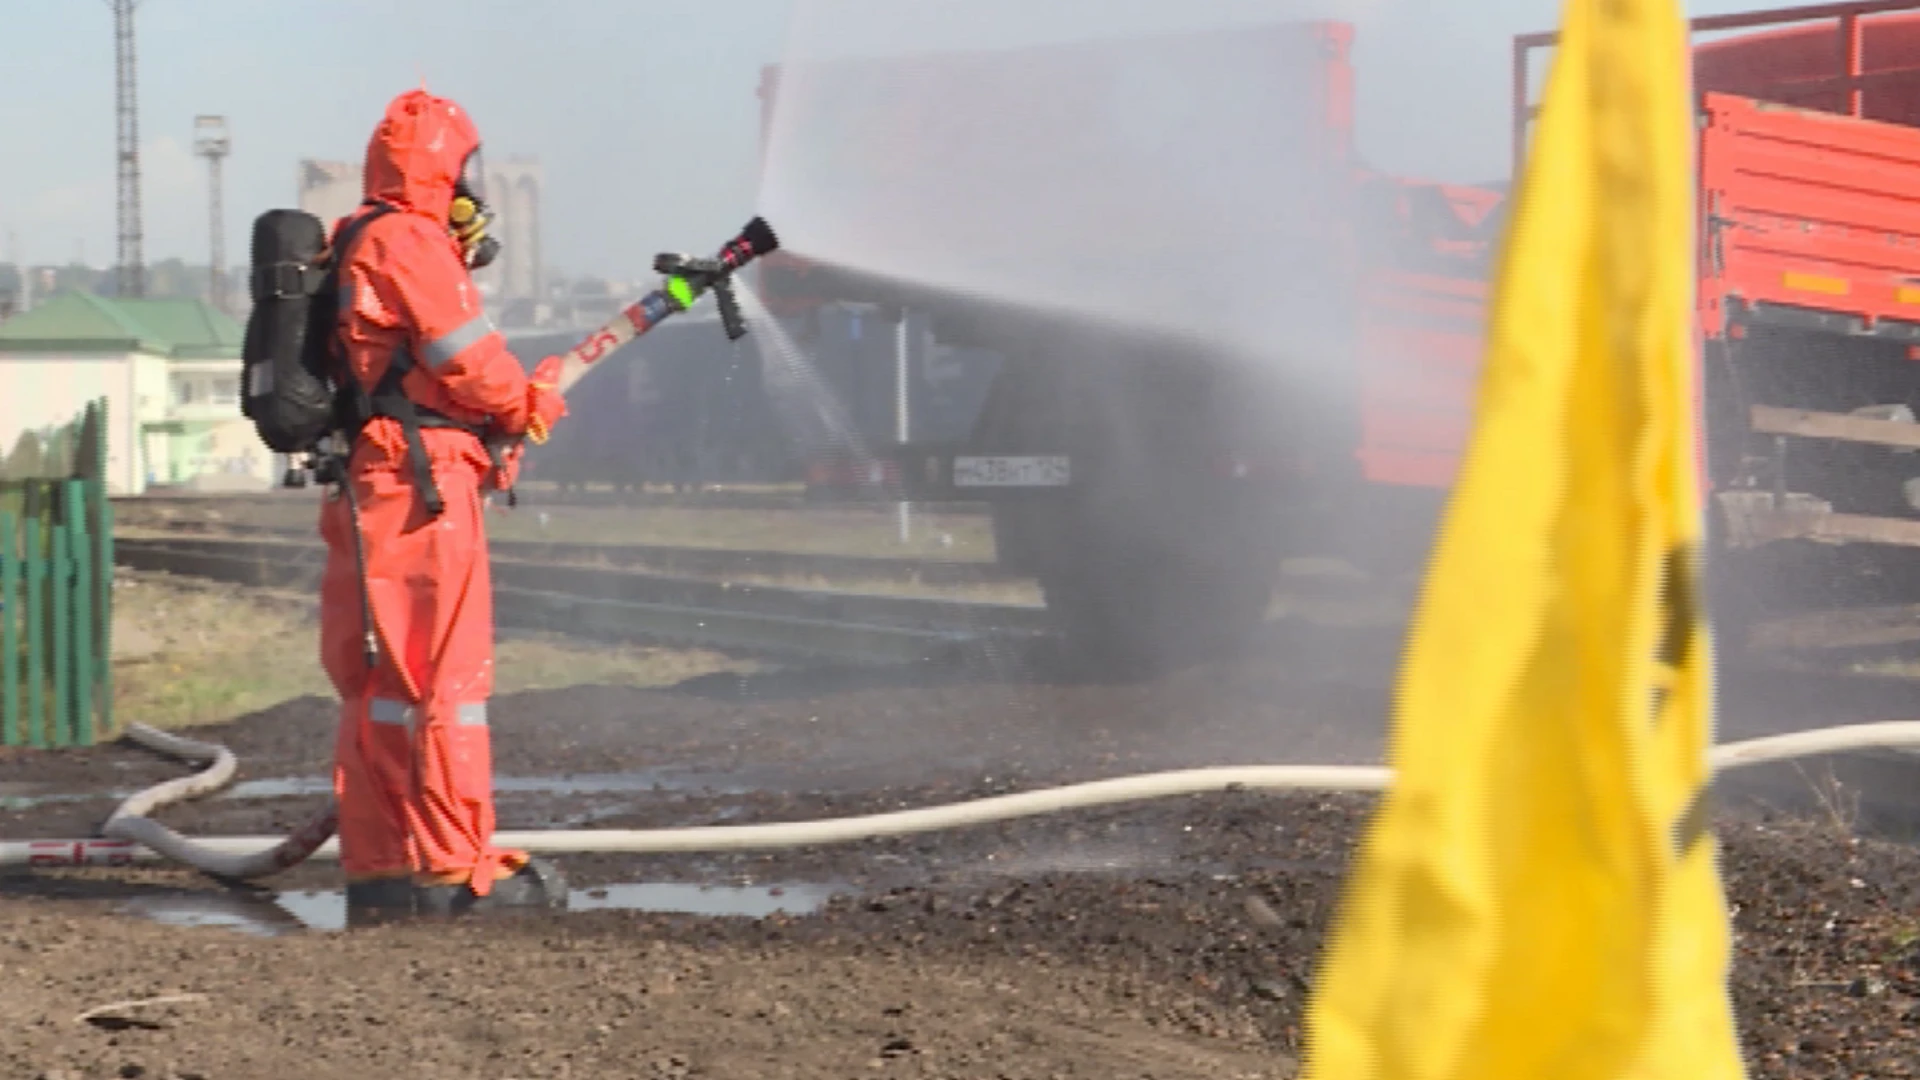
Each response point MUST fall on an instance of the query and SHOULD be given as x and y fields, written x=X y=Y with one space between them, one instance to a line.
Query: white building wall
x=226 y=456
x=222 y=450
x=46 y=390
x=150 y=391
x=200 y=389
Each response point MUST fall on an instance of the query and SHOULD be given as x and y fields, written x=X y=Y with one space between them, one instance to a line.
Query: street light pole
x=211 y=141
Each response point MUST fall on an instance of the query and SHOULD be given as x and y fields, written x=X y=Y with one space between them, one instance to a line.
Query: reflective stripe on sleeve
x=441 y=350
x=473 y=715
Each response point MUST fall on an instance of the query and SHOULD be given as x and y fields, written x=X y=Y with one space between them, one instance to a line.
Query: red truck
x=1154 y=488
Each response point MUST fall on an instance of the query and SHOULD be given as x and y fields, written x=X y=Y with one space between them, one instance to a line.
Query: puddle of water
x=215 y=909
x=751 y=901
x=326 y=910
x=18 y=797
x=646 y=780
x=315 y=909
x=1082 y=859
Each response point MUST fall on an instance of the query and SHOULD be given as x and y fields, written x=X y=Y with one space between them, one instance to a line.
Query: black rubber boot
x=537 y=886
x=384 y=900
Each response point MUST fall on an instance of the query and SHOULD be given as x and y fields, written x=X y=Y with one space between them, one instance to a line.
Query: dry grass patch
x=188 y=652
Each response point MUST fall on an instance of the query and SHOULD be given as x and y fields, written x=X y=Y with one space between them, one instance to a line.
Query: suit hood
x=417 y=151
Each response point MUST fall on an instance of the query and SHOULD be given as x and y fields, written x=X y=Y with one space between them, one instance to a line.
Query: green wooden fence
x=56 y=587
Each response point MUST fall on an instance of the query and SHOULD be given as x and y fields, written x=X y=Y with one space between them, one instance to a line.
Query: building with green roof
x=169 y=370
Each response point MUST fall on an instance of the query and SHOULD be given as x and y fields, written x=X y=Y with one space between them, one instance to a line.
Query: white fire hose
x=130 y=836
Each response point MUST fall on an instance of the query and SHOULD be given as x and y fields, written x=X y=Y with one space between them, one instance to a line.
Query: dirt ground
x=1179 y=972
x=1169 y=939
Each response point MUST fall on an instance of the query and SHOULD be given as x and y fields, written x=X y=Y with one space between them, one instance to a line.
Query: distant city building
x=331 y=189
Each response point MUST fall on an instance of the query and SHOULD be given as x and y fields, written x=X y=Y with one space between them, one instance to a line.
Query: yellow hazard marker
x=1538 y=897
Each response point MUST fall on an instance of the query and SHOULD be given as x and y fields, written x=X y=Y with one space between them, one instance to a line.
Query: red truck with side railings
x=1153 y=489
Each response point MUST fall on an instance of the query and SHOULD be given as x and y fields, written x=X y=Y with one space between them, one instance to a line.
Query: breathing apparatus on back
x=469 y=216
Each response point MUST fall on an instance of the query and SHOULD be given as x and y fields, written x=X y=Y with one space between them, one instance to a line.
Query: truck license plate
x=1010 y=471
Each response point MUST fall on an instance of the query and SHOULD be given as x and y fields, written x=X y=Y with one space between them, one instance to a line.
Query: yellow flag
x=1538 y=897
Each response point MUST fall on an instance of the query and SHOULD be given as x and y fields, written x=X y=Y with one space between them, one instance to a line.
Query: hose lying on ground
x=132 y=837
x=129 y=821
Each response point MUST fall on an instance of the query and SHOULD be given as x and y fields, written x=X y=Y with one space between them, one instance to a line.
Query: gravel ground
x=1171 y=939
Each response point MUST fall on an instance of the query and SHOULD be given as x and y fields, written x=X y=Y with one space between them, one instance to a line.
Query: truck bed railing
x=1810 y=217
x=1846 y=18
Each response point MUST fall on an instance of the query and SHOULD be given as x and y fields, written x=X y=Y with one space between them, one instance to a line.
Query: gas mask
x=470 y=215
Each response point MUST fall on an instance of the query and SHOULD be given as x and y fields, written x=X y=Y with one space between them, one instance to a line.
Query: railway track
x=700 y=562
x=791 y=497
x=617 y=603
x=748 y=600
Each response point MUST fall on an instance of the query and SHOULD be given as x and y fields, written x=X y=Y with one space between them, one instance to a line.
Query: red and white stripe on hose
x=647 y=312
x=632 y=321
x=38 y=854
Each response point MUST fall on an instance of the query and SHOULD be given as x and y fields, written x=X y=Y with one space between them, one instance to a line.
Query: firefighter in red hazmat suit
x=406 y=613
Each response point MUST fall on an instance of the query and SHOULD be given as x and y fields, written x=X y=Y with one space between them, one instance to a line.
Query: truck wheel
x=1126 y=615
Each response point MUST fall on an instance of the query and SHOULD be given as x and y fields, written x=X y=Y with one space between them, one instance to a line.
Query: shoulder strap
x=343 y=244
x=386 y=398
x=329 y=289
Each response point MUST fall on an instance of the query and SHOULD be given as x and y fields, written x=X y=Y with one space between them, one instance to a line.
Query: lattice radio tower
x=132 y=270
x=210 y=141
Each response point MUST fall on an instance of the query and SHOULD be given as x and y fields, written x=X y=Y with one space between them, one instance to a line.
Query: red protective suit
x=413 y=773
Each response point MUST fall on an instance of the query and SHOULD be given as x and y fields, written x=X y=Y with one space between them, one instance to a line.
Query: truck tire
x=1128 y=597
x=1165 y=548
x=1122 y=615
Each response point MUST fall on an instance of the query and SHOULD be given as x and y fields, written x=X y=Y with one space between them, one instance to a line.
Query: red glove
x=545 y=404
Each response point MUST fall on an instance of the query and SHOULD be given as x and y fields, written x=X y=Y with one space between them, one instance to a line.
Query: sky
x=644 y=112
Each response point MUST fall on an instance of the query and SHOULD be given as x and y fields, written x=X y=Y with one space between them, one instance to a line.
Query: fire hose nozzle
x=699 y=275
x=700 y=271
x=704 y=275
x=759 y=238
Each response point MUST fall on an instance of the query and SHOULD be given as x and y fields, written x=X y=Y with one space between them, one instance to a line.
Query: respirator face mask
x=470 y=215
